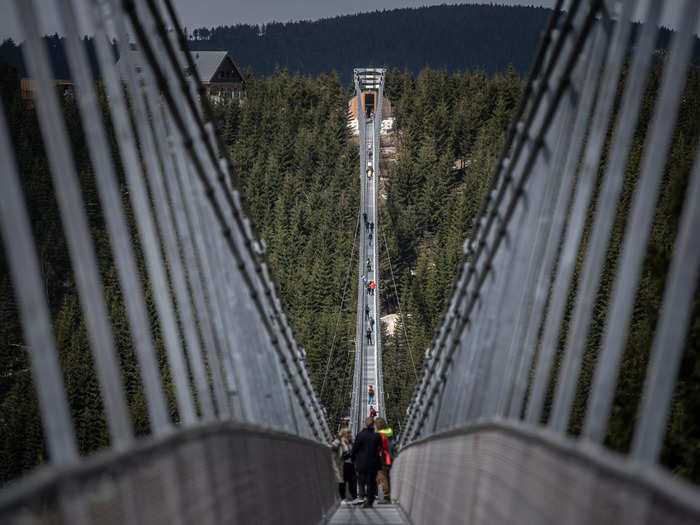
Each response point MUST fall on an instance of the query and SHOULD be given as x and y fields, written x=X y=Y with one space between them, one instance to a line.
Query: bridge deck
x=356 y=515
x=369 y=364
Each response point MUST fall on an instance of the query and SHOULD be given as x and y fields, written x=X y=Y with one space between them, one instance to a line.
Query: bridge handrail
x=577 y=27
x=231 y=197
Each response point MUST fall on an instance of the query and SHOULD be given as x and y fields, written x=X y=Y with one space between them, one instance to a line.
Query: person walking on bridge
x=383 y=480
x=365 y=453
x=369 y=336
x=370 y=395
x=343 y=467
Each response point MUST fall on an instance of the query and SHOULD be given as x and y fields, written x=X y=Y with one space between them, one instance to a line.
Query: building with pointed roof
x=219 y=74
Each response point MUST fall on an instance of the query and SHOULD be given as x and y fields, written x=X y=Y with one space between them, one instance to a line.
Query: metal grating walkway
x=379 y=514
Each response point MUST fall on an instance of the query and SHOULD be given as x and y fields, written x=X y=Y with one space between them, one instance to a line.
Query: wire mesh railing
x=546 y=300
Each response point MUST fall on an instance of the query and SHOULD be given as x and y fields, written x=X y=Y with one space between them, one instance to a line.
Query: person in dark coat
x=366 y=455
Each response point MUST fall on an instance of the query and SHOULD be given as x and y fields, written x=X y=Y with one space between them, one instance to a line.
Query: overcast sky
x=209 y=13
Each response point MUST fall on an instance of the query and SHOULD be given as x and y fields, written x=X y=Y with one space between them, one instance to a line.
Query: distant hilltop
x=450 y=37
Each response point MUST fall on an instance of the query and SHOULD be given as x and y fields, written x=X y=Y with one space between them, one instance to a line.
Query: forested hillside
x=450 y=37
x=450 y=129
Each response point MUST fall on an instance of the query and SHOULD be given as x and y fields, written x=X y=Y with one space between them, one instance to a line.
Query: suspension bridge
x=482 y=442
x=368 y=355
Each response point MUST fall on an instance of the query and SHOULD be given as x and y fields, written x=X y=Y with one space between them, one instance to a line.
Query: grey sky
x=208 y=13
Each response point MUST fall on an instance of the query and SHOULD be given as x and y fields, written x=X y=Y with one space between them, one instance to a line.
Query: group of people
x=369 y=229
x=371 y=286
x=363 y=463
x=370 y=328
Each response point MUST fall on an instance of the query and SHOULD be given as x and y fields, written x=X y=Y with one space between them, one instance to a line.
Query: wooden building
x=216 y=69
x=219 y=75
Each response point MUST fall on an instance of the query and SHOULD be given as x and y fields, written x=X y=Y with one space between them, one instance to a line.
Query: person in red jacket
x=385 y=456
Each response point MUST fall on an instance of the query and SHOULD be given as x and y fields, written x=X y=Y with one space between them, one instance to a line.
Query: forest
x=450 y=130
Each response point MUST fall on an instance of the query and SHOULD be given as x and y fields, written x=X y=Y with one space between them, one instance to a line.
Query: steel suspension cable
x=398 y=302
x=342 y=303
x=463 y=318
x=229 y=198
x=238 y=205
